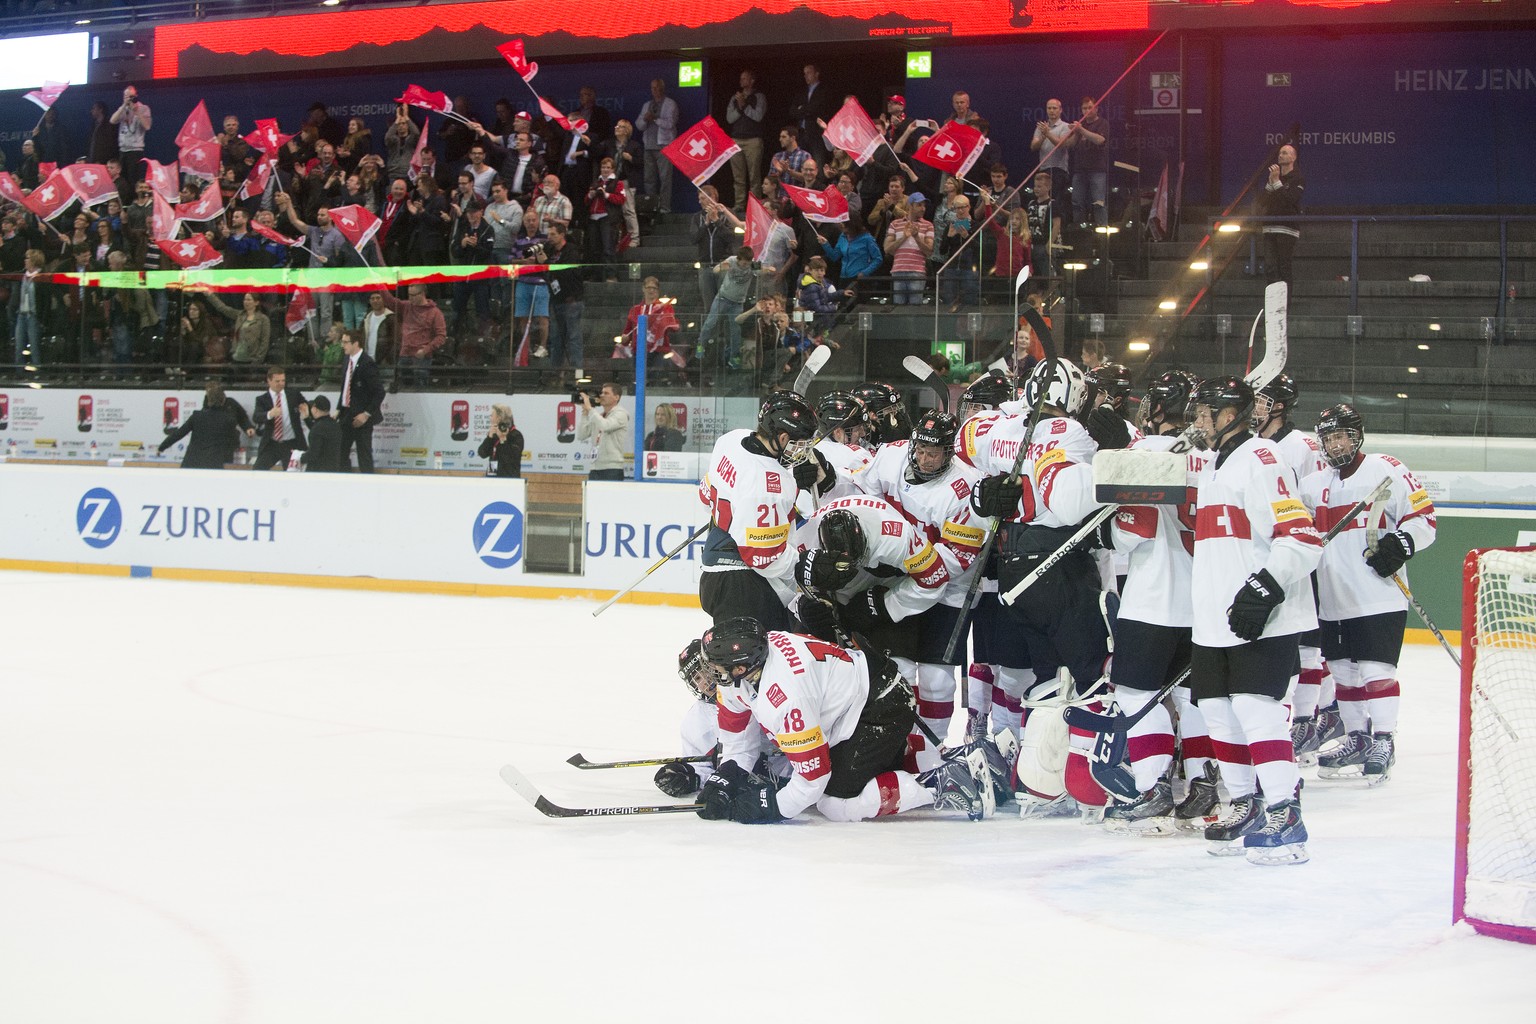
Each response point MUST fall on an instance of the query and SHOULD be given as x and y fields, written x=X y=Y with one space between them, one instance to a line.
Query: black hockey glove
x=719 y=792
x=996 y=498
x=823 y=571
x=866 y=611
x=757 y=802
x=815 y=472
x=677 y=778
x=1107 y=428
x=819 y=618
x=1251 y=608
x=1392 y=550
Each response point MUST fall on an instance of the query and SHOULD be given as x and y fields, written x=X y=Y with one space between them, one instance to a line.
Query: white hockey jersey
x=891 y=543
x=1347 y=587
x=1159 y=544
x=751 y=498
x=1300 y=451
x=809 y=699
x=1248 y=517
x=940 y=508
x=1057 y=471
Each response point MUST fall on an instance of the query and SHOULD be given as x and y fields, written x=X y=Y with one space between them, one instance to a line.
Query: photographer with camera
x=605 y=205
x=530 y=325
x=503 y=446
x=133 y=120
x=608 y=427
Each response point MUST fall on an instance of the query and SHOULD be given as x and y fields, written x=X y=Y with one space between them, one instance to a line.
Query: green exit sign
x=954 y=351
x=920 y=64
x=690 y=74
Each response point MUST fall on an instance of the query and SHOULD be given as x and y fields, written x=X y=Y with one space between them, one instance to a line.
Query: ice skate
x=1243 y=817
x=1201 y=805
x=1379 y=759
x=1282 y=840
x=1148 y=816
x=999 y=769
x=1304 y=740
x=1034 y=806
x=1347 y=760
x=961 y=783
x=1328 y=725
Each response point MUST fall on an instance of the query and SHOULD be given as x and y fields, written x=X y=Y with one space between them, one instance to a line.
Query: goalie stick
x=929 y=376
x=1276 y=336
x=640 y=762
x=525 y=789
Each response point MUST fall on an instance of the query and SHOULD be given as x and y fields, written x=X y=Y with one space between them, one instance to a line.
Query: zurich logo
x=99 y=517
x=498 y=535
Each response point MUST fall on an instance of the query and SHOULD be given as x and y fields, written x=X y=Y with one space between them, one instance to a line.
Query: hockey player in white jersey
x=1153 y=628
x=750 y=487
x=1255 y=541
x=920 y=478
x=888 y=419
x=1363 y=611
x=1111 y=384
x=1273 y=405
x=841 y=718
x=700 y=726
x=844 y=424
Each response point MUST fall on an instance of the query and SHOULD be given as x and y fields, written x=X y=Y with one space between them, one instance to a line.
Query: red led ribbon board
x=406 y=35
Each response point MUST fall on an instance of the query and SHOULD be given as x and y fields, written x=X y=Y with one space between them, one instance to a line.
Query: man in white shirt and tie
x=279 y=418
x=362 y=396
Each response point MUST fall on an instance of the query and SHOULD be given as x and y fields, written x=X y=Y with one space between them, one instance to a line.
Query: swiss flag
x=200 y=160
x=301 y=310
x=193 y=253
x=274 y=236
x=851 y=131
x=512 y=50
x=50 y=198
x=701 y=150
x=256 y=182
x=829 y=206
x=48 y=95
x=356 y=224
x=10 y=188
x=953 y=149
x=163 y=179
x=426 y=99
x=91 y=182
x=198 y=128
x=578 y=126
x=267 y=137
x=163 y=222
x=208 y=206
x=759 y=226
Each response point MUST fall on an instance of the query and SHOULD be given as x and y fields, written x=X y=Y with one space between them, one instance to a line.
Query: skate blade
x=981 y=777
x=1031 y=806
x=1273 y=856
x=1372 y=781
x=1144 y=828
x=1351 y=771
x=1307 y=759
x=1224 y=848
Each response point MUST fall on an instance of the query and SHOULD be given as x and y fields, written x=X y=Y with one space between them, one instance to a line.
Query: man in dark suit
x=214 y=430
x=812 y=105
x=279 y=417
x=324 y=454
x=362 y=398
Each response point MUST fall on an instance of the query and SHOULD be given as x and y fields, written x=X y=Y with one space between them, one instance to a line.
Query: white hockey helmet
x=1066 y=387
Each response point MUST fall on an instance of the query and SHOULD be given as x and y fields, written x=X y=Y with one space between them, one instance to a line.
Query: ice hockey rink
x=226 y=804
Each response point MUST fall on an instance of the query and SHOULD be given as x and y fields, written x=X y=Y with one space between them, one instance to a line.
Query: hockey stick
x=663 y=560
x=525 y=789
x=1092 y=721
x=918 y=368
x=640 y=762
x=1276 y=336
x=812 y=366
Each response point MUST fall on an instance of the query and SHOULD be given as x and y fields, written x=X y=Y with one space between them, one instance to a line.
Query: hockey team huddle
x=1163 y=668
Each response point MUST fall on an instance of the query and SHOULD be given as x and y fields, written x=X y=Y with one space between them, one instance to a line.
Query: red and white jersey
x=809 y=698
x=892 y=543
x=849 y=460
x=700 y=731
x=1057 y=471
x=1248 y=517
x=1159 y=544
x=1300 y=451
x=751 y=498
x=1348 y=588
x=940 y=508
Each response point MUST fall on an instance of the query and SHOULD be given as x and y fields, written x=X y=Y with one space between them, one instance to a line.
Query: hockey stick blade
x=641 y=762
x=929 y=376
x=1276 y=335
x=1092 y=721
x=813 y=364
x=525 y=789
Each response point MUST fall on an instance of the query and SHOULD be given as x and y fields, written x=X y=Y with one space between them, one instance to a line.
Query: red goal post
x=1495 y=884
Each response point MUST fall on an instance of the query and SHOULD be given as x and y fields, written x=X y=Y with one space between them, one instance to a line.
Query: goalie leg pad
x=1042 y=761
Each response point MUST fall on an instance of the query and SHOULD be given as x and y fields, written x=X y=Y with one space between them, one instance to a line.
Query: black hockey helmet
x=1216 y=394
x=933 y=428
x=845 y=411
x=1341 y=432
x=1111 y=382
x=840 y=533
x=1167 y=399
x=1281 y=391
x=695 y=673
x=988 y=392
x=888 y=419
x=786 y=412
x=731 y=644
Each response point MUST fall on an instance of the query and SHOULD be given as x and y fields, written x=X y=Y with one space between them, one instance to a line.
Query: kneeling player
x=840 y=716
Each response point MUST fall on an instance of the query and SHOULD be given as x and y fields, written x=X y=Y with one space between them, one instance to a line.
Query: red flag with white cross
x=356 y=224
x=701 y=150
x=163 y=222
x=195 y=253
x=200 y=160
x=953 y=149
x=163 y=179
x=50 y=198
x=426 y=99
x=851 y=131
x=759 y=227
x=512 y=50
x=267 y=137
x=198 y=128
x=829 y=206
x=92 y=182
x=209 y=206
x=48 y=95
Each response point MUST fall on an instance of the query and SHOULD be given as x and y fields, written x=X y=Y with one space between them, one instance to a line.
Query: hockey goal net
x=1496 y=825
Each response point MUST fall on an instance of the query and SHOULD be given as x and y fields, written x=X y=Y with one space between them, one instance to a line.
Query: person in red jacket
x=422 y=333
x=605 y=211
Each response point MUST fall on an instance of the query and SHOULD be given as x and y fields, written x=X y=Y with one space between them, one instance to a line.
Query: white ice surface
x=231 y=805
